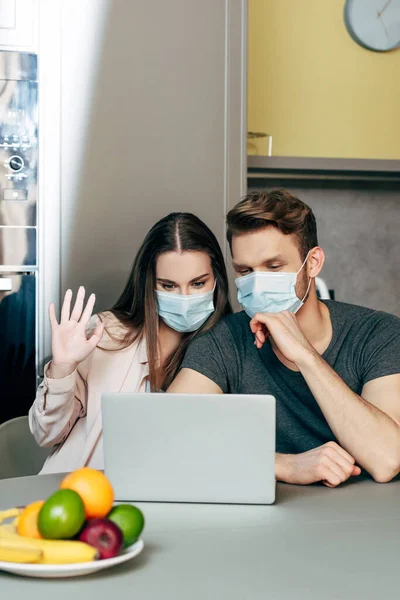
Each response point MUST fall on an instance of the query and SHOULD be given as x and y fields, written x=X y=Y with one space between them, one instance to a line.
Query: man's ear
x=315 y=262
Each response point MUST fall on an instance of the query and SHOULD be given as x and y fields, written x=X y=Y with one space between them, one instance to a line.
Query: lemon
x=61 y=516
x=130 y=520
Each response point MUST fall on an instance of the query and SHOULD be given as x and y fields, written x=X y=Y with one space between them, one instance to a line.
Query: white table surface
x=314 y=543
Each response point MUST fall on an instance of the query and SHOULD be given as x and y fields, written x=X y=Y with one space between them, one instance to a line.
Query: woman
x=177 y=288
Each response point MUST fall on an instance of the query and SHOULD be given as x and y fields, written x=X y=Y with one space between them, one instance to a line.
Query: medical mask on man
x=269 y=292
x=185 y=313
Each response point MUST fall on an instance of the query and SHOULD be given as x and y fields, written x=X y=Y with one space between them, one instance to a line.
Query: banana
x=19 y=553
x=53 y=552
x=10 y=513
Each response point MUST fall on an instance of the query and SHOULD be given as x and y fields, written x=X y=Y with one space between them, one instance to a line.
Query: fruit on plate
x=27 y=521
x=52 y=552
x=130 y=520
x=104 y=535
x=10 y=552
x=94 y=488
x=61 y=516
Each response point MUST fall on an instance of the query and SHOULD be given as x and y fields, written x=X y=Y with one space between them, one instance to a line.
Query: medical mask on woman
x=185 y=313
x=269 y=292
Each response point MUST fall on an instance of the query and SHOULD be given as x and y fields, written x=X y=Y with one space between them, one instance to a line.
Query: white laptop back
x=190 y=448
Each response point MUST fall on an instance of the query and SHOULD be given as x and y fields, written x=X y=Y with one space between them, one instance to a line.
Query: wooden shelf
x=352 y=169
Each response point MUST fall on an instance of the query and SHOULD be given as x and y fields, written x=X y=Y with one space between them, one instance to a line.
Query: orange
x=27 y=524
x=94 y=488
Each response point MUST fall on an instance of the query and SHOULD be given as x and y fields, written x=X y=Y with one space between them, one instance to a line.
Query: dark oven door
x=17 y=344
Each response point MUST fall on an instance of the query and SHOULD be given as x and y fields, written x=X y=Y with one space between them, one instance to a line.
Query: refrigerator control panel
x=18 y=139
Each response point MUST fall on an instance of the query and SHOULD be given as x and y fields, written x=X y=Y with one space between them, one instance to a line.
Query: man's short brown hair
x=279 y=209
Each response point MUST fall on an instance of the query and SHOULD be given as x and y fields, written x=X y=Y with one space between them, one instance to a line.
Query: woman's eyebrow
x=199 y=277
x=165 y=280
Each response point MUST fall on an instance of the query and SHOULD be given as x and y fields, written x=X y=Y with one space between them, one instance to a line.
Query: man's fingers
x=344 y=462
x=341 y=451
x=336 y=468
x=260 y=335
x=333 y=482
x=66 y=307
x=259 y=320
x=78 y=307
x=328 y=484
x=330 y=478
x=255 y=325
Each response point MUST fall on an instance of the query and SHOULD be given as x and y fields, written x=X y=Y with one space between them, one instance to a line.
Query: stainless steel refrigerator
x=18 y=232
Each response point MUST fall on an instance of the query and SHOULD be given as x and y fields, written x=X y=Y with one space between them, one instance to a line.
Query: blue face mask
x=185 y=313
x=268 y=292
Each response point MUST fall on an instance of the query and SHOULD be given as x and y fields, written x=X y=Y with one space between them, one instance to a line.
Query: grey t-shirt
x=365 y=345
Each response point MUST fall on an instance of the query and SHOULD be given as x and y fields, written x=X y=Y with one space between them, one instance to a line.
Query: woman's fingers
x=52 y=316
x=87 y=313
x=66 y=307
x=97 y=335
x=78 y=307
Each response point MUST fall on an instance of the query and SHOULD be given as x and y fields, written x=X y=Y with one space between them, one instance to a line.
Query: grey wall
x=359 y=231
x=153 y=121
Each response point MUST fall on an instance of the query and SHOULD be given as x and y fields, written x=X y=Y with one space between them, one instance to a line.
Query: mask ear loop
x=309 y=279
x=308 y=289
x=305 y=260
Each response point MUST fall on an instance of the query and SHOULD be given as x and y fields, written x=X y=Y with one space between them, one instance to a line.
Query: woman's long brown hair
x=136 y=308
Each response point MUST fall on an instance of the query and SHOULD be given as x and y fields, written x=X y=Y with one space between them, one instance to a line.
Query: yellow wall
x=314 y=88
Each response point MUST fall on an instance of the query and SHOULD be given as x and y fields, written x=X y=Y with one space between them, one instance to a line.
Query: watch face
x=374 y=24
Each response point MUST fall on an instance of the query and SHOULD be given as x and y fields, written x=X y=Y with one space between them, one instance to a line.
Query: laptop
x=190 y=447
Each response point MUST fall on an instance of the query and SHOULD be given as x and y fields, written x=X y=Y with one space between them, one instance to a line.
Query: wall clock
x=374 y=24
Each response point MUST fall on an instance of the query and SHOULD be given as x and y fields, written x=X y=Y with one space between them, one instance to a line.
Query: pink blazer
x=66 y=413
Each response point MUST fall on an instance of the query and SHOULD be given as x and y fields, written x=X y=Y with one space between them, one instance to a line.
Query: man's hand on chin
x=285 y=331
x=328 y=463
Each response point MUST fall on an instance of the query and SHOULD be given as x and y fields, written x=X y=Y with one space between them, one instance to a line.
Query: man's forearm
x=282 y=467
x=367 y=433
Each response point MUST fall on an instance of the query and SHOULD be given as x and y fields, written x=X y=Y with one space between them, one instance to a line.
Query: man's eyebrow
x=270 y=260
x=278 y=257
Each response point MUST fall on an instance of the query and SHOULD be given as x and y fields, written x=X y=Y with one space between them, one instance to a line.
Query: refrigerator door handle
x=5 y=284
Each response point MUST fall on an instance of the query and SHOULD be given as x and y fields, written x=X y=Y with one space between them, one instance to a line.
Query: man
x=333 y=368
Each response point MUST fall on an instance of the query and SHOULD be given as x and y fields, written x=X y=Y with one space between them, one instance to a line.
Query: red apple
x=104 y=535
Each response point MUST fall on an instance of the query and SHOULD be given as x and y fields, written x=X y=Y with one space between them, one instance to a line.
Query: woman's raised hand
x=70 y=346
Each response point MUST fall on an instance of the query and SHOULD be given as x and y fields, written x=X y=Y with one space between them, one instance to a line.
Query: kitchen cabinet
x=18 y=24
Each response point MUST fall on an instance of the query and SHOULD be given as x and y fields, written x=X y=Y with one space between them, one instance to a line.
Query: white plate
x=71 y=570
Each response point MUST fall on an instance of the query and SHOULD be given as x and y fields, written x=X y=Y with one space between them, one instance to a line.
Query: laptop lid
x=190 y=448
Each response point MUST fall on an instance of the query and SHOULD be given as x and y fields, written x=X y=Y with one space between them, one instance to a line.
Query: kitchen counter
x=314 y=543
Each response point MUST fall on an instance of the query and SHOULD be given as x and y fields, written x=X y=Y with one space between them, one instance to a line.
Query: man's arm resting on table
x=366 y=425
x=329 y=463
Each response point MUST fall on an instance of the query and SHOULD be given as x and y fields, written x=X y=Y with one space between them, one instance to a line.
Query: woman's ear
x=315 y=262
